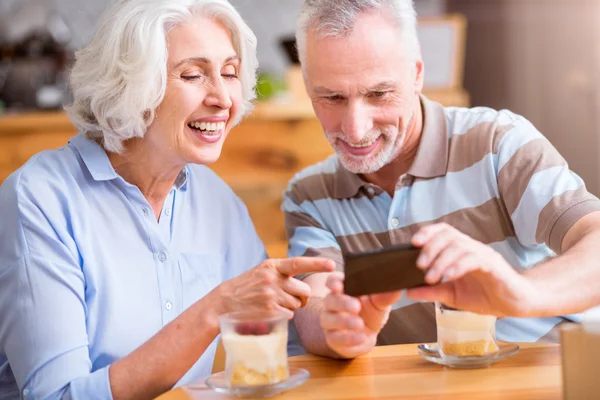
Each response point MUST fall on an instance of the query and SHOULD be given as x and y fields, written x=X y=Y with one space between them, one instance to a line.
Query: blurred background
x=538 y=58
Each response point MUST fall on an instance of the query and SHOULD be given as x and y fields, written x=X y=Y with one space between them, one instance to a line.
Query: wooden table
x=397 y=372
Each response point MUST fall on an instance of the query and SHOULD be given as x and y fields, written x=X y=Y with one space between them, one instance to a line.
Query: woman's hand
x=271 y=285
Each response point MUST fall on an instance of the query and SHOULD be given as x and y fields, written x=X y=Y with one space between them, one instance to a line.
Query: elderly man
x=482 y=192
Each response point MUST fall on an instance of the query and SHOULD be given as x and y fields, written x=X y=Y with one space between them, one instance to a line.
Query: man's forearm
x=309 y=328
x=569 y=283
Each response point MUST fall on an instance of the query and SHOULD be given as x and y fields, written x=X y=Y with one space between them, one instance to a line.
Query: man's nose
x=357 y=122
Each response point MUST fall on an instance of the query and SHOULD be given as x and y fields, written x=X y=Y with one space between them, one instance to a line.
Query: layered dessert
x=255 y=357
x=465 y=334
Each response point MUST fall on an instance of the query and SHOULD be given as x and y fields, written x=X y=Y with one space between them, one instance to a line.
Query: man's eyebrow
x=204 y=60
x=324 y=90
x=382 y=86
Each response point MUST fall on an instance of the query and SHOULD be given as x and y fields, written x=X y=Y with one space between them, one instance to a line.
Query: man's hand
x=469 y=275
x=351 y=324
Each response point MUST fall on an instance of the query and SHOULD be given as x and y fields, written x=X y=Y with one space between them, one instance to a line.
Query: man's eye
x=378 y=94
x=336 y=97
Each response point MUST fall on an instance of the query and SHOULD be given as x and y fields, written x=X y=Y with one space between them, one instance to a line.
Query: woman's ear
x=419 y=75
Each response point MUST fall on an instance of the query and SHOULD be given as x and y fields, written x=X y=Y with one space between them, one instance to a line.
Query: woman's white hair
x=120 y=77
x=336 y=18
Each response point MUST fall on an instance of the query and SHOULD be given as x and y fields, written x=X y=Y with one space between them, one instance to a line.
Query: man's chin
x=359 y=166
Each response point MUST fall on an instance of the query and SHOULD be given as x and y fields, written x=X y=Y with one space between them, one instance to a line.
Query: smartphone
x=382 y=270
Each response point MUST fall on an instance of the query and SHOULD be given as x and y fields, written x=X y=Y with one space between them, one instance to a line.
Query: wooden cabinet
x=259 y=157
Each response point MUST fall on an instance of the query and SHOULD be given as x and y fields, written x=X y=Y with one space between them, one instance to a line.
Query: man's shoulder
x=316 y=172
x=315 y=182
x=482 y=119
x=487 y=129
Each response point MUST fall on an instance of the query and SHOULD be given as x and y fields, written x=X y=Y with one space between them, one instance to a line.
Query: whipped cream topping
x=455 y=326
x=257 y=352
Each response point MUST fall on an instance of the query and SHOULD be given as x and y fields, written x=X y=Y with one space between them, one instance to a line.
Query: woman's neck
x=147 y=169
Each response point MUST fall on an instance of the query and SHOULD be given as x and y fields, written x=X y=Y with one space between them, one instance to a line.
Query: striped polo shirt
x=488 y=173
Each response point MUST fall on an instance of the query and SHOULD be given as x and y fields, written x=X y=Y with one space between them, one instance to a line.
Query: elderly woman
x=119 y=251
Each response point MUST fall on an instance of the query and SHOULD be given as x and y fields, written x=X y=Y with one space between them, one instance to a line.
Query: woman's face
x=203 y=96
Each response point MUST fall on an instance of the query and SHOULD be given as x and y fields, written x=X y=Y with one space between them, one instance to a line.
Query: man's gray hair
x=120 y=77
x=336 y=18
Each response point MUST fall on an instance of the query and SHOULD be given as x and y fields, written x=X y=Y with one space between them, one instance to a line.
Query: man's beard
x=388 y=148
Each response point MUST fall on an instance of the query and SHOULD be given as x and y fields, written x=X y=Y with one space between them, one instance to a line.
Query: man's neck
x=388 y=176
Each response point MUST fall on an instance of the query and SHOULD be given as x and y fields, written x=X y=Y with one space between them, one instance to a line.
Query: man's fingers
x=340 y=320
x=302 y=265
x=341 y=303
x=335 y=282
x=383 y=300
x=449 y=257
x=466 y=264
x=434 y=247
x=425 y=234
x=442 y=293
x=345 y=339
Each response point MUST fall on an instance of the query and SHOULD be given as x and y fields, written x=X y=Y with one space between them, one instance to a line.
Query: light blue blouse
x=87 y=274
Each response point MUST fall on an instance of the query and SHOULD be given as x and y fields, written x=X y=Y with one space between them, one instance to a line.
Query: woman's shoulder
x=54 y=168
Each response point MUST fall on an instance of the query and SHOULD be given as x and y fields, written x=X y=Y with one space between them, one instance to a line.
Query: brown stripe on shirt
x=311 y=188
x=487 y=223
x=296 y=219
x=414 y=323
x=516 y=174
x=324 y=186
x=471 y=147
x=561 y=213
x=364 y=241
x=331 y=253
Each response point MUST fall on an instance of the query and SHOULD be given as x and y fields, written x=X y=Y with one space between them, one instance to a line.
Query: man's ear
x=419 y=75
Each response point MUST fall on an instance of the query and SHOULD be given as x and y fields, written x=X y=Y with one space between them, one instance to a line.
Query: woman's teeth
x=208 y=128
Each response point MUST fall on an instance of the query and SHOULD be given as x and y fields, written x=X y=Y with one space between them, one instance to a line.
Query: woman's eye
x=229 y=72
x=190 y=77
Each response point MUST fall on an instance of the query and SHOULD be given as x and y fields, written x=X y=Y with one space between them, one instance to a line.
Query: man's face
x=364 y=89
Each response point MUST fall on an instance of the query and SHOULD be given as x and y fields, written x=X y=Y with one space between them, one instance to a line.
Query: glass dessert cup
x=255 y=345
x=465 y=334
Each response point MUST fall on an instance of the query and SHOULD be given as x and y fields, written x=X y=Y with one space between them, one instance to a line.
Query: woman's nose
x=218 y=95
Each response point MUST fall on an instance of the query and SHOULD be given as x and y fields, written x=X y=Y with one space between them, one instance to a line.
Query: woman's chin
x=204 y=156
